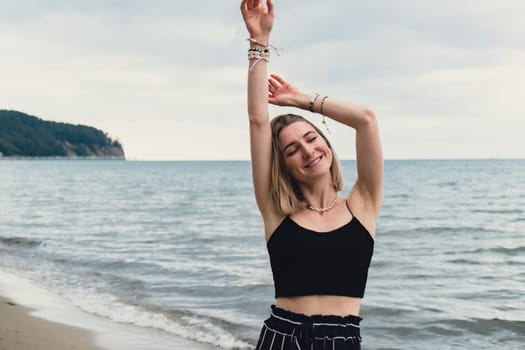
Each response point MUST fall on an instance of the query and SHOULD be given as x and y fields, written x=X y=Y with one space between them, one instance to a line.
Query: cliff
x=22 y=135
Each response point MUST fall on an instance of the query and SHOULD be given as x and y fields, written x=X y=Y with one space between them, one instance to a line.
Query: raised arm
x=369 y=184
x=369 y=156
x=259 y=22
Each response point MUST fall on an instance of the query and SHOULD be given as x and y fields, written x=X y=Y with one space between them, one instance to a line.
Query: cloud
x=168 y=77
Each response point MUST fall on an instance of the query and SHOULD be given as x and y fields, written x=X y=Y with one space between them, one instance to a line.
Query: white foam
x=189 y=327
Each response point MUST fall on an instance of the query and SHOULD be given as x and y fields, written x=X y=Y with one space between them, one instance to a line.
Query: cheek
x=291 y=162
x=293 y=165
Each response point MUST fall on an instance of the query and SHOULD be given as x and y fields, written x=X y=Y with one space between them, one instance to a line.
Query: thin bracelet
x=322 y=103
x=321 y=112
x=257 y=42
x=312 y=101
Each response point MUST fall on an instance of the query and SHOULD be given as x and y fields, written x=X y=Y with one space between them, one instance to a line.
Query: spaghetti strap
x=350 y=210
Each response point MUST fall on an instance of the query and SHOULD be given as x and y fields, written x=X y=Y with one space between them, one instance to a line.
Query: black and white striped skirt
x=285 y=330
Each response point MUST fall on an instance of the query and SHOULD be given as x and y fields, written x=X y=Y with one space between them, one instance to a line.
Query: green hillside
x=22 y=135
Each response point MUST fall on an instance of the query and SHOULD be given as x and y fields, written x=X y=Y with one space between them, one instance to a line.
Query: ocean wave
x=383 y=311
x=501 y=250
x=498 y=211
x=509 y=251
x=442 y=330
x=455 y=334
x=398 y=195
x=479 y=326
x=21 y=242
x=183 y=323
x=437 y=230
x=452 y=184
x=464 y=261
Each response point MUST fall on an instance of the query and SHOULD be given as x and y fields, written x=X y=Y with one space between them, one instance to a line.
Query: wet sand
x=21 y=331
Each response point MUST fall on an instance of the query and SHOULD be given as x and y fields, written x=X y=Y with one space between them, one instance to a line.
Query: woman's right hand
x=258 y=19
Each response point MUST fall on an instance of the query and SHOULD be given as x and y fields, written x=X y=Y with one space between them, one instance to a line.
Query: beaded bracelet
x=253 y=41
x=258 y=55
x=255 y=53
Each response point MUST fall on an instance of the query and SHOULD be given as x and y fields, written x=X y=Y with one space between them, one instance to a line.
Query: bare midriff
x=321 y=305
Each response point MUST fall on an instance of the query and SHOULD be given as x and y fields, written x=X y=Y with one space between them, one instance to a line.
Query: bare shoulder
x=367 y=213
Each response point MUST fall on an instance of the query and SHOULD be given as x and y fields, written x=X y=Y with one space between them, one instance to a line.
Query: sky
x=167 y=78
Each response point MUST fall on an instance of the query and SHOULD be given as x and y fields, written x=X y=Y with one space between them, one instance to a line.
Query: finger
x=278 y=78
x=269 y=4
x=243 y=7
x=274 y=83
x=273 y=86
x=246 y=5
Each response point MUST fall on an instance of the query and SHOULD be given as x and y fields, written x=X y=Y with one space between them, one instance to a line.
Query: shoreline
x=32 y=317
x=20 y=330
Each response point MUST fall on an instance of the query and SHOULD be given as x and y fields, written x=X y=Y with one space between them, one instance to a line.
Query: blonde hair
x=286 y=193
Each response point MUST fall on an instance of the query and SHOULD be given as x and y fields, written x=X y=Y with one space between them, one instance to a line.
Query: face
x=306 y=153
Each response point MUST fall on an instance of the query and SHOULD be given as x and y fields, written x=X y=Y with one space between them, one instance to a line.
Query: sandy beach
x=21 y=331
x=32 y=318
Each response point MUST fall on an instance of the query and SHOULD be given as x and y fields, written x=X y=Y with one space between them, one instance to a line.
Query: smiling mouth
x=314 y=162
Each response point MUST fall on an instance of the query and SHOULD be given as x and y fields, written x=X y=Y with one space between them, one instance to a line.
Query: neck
x=321 y=196
x=322 y=210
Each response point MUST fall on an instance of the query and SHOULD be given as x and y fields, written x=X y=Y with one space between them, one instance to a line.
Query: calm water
x=179 y=246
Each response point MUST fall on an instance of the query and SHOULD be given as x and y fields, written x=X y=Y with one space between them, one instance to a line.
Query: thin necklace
x=322 y=210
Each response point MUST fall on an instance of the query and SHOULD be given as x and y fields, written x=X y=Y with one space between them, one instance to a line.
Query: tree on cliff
x=28 y=136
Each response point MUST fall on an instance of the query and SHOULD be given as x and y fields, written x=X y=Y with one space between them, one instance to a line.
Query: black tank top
x=306 y=262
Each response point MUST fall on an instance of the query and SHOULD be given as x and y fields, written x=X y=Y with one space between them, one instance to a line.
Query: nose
x=308 y=151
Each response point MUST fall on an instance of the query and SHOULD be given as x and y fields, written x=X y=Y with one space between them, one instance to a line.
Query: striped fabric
x=285 y=330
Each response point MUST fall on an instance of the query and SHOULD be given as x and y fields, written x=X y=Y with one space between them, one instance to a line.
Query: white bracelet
x=258 y=55
x=253 y=41
x=255 y=53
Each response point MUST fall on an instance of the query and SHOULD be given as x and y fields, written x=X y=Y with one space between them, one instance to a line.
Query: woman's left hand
x=282 y=93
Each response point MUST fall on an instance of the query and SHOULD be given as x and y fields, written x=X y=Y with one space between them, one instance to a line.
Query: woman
x=320 y=244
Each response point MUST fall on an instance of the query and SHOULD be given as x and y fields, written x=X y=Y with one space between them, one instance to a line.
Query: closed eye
x=311 y=139
x=291 y=152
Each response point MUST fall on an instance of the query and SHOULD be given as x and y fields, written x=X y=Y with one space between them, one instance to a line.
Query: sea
x=178 y=248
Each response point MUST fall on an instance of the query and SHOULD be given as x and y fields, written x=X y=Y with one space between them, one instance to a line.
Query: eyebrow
x=293 y=142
